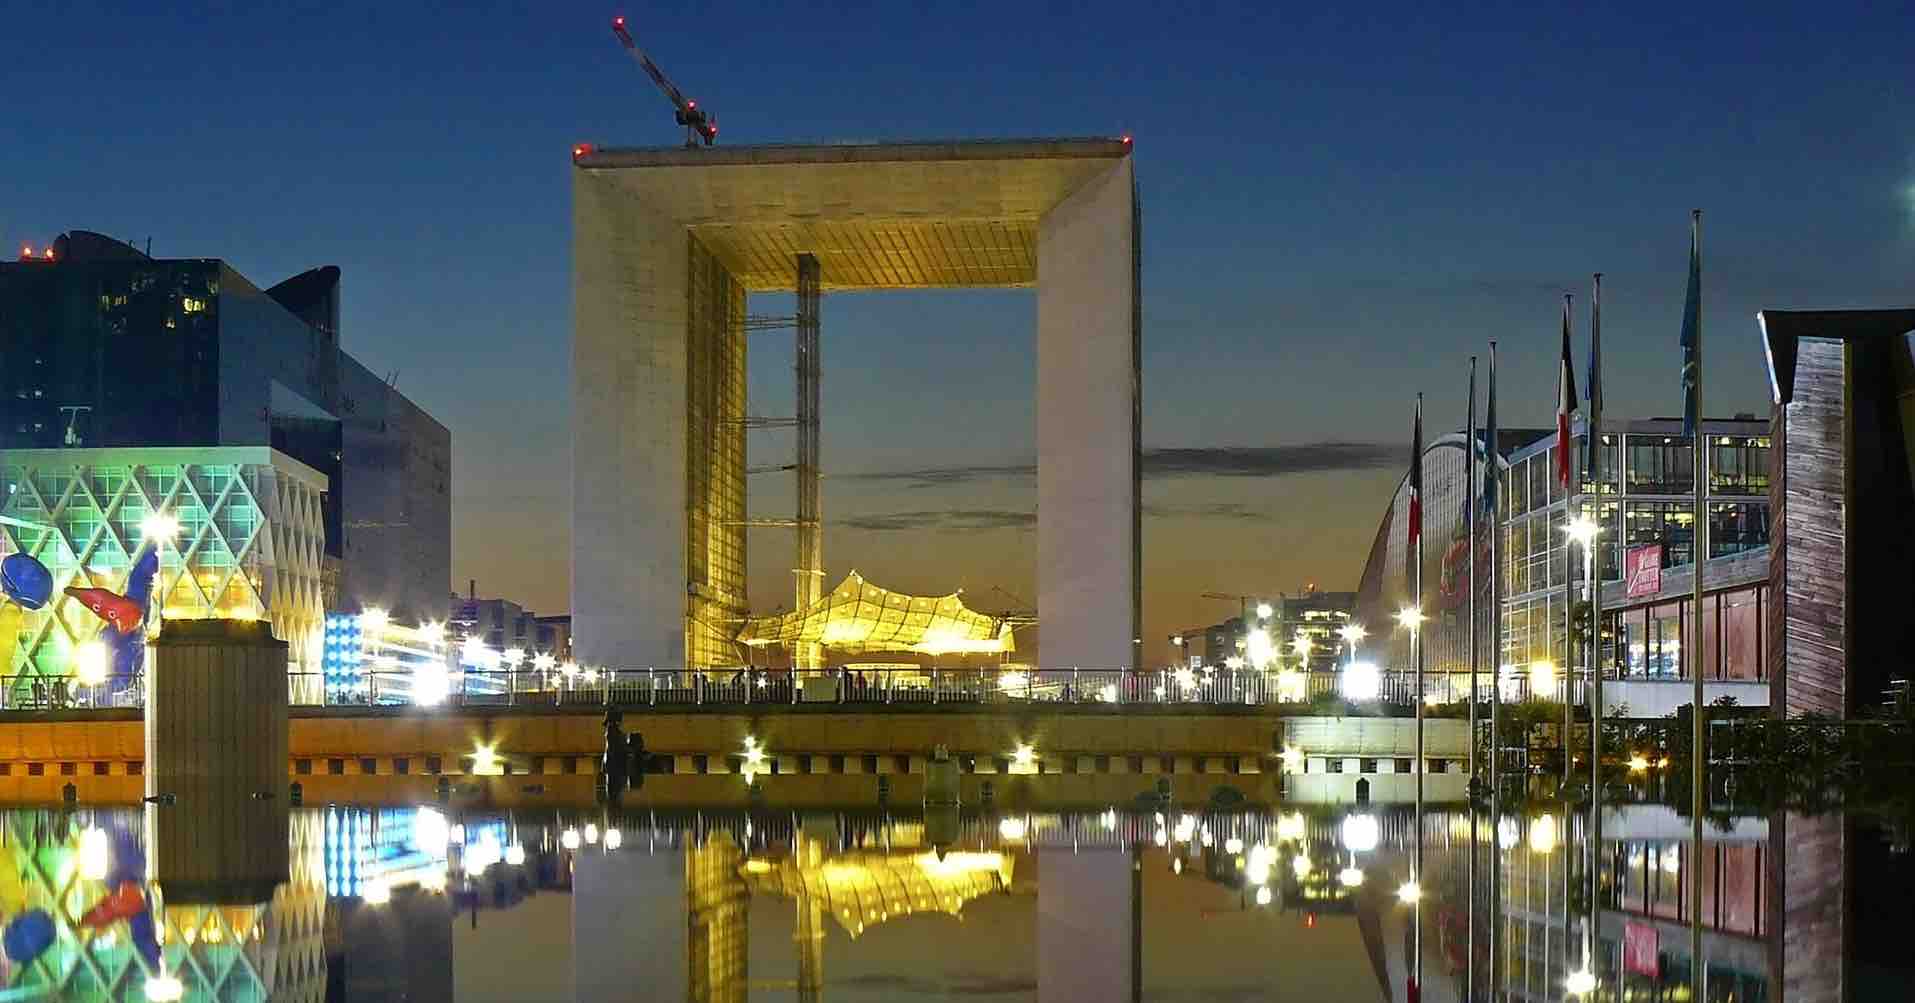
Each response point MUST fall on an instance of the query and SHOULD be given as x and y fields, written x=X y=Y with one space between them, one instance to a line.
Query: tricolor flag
x=1565 y=403
x=1416 y=480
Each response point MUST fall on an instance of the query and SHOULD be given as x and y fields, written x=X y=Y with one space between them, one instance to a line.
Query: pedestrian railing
x=956 y=687
x=959 y=687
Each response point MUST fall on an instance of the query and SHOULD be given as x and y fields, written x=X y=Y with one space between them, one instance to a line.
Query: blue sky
x=1341 y=203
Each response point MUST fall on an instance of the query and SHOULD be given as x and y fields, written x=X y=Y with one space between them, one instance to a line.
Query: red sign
x=1643 y=570
x=1639 y=950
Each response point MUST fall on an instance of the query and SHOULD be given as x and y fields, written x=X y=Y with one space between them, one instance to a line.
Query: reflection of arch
x=858 y=889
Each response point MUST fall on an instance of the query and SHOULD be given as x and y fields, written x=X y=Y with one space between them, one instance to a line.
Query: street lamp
x=1408 y=617
x=1351 y=634
x=1264 y=611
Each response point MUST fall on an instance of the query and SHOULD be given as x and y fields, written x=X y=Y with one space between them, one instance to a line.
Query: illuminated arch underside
x=858 y=617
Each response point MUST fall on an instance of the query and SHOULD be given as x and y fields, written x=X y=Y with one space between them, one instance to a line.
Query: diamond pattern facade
x=250 y=544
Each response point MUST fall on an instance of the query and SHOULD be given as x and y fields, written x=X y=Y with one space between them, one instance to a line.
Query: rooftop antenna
x=72 y=411
x=698 y=125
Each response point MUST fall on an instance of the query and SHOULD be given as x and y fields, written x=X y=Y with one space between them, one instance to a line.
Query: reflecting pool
x=251 y=901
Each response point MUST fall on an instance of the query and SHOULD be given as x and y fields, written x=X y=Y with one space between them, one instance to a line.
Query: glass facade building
x=108 y=347
x=1641 y=496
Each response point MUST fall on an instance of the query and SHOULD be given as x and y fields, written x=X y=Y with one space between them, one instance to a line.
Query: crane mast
x=698 y=125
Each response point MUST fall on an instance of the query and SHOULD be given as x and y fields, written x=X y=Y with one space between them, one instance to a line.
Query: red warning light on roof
x=619 y=21
x=48 y=254
x=581 y=150
x=26 y=250
x=1126 y=139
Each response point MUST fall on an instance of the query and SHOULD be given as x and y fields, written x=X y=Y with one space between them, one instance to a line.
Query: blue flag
x=1492 y=474
x=1592 y=402
x=1692 y=332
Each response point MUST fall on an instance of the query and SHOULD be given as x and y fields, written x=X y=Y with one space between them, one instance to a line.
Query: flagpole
x=1567 y=400
x=1569 y=579
x=1698 y=756
x=1494 y=511
x=1593 y=563
x=1416 y=643
x=1469 y=529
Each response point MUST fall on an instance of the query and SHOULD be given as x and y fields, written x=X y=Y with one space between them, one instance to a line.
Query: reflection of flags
x=1592 y=414
x=1565 y=403
x=1416 y=480
x=1692 y=329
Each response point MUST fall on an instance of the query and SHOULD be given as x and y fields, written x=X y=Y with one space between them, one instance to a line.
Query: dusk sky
x=1341 y=204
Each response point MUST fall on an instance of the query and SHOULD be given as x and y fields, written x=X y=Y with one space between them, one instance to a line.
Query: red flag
x=1565 y=403
x=1416 y=478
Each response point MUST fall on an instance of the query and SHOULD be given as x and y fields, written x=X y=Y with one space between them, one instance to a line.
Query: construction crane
x=698 y=125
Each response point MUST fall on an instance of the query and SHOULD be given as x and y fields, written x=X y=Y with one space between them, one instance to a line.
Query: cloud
x=1165 y=461
x=949 y=519
x=1270 y=461
x=959 y=984
x=930 y=477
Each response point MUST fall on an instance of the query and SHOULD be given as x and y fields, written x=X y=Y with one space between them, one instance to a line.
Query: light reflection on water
x=435 y=903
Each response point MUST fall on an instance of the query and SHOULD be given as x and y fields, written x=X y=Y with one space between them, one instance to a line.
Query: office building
x=110 y=348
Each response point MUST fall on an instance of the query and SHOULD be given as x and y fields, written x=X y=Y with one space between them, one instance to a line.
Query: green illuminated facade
x=251 y=542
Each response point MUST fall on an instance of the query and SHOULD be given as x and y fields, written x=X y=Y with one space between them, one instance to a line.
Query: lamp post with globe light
x=1583 y=531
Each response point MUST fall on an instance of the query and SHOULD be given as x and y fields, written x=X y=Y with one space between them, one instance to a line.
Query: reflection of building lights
x=95 y=854
x=1350 y=877
x=1542 y=834
x=1361 y=681
x=1408 y=892
x=569 y=839
x=1176 y=865
x=1580 y=983
x=1012 y=828
x=1359 y=833
x=756 y=866
x=1263 y=895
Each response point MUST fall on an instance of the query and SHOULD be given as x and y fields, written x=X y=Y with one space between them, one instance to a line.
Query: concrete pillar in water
x=216 y=742
x=941 y=779
x=216 y=712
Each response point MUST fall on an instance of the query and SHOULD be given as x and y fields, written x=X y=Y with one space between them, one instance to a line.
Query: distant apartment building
x=498 y=623
x=107 y=348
